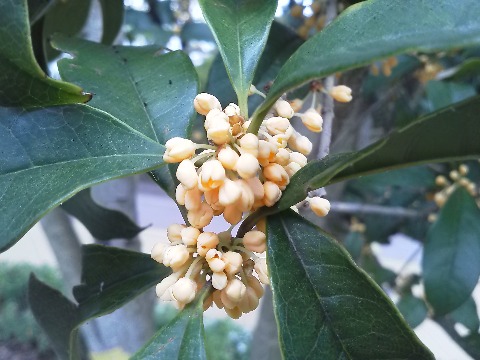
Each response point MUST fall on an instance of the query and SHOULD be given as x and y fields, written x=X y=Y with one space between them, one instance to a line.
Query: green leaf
x=104 y=224
x=57 y=316
x=376 y=29
x=152 y=90
x=468 y=69
x=326 y=307
x=413 y=309
x=50 y=154
x=467 y=315
x=110 y=278
x=240 y=28
x=353 y=243
x=38 y=8
x=112 y=19
x=414 y=144
x=442 y=93
x=450 y=258
x=22 y=81
x=182 y=338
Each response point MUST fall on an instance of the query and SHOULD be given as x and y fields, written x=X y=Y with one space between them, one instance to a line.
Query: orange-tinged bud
x=319 y=206
x=341 y=93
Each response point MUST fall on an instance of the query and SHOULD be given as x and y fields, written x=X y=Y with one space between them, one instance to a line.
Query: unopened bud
x=341 y=93
x=219 y=280
x=319 y=205
x=176 y=256
x=229 y=193
x=193 y=199
x=247 y=166
x=211 y=176
x=234 y=312
x=187 y=174
x=282 y=157
x=158 y=251
x=312 y=120
x=174 y=231
x=233 y=262
x=454 y=175
x=267 y=151
x=255 y=284
x=257 y=188
x=247 y=198
x=463 y=169
x=255 y=241
x=277 y=174
x=441 y=180
x=284 y=109
x=272 y=193
x=440 y=199
x=214 y=260
x=190 y=235
x=296 y=104
x=200 y=217
x=300 y=143
x=178 y=149
x=235 y=290
x=299 y=158
x=280 y=140
x=165 y=284
x=215 y=118
x=292 y=168
x=204 y=102
x=262 y=272
x=228 y=157
x=205 y=242
x=232 y=110
x=232 y=214
x=180 y=192
x=220 y=133
x=277 y=125
x=249 y=301
x=184 y=290
x=249 y=144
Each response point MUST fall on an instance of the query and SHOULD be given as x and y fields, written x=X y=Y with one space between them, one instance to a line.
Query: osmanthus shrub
x=131 y=111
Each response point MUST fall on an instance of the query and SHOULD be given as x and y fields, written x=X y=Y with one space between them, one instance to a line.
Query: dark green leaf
x=22 y=81
x=377 y=29
x=196 y=31
x=467 y=315
x=38 y=8
x=140 y=24
x=370 y=264
x=103 y=224
x=469 y=68
x=326 y=307
x=151 y=90
x=67 y=17
x=57 y=316
x=112 y=19
x=441 y=93
x=354 y=242
x=111 y=277
x=413 y=309
x=414 y=144
x=240 y=28
x=450 y=258
x=47 y=155
x=182 y=338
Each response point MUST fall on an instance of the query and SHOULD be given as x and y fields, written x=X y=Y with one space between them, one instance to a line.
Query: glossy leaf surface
x=22 y=81
x=103 y=223
x=450 y=259
x=327 y=307
x=112 y=19
x=47 y=155
x=240 y=28
x=414 y=144
x=376 y=29
x=182 y=338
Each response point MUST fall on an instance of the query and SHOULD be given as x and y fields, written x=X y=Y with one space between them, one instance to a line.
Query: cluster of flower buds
x=231 y=265
x=457 y=178
x=237 y=172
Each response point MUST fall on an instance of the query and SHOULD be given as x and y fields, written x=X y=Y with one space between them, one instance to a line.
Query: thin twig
x=355 y=208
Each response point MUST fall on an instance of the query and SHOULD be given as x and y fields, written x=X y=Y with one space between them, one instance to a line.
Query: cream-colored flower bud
x=228 y=157
x=277 y=125
x=284 y=109
x=190 y=235
x=296 y=104
x=257 y=188
x=440 y=199
x=229 y=193
x=292 y=168
x=193 y=199
x=441 y=180
x=219 y=280
x=249 y=144
x=178 y=149
x=300 y=143
x=262 y=272
x=277 y=174
x=215 y=118
x=319 y=206
x=173 y=232
x=463 y=169
x=205 y=242
x=247 y=166
x=214 y=260
x=232 y=214
x=220 y=133
x=454 y=175
x=255 y=284
x=180 y=192
x=341 y=93
x=280 y=140
x=234 y=312
x=312 y=120
x=184 y=290
x=255 y=240
x=187 y=174
x=232 y=110
x=158 y=251
x=272 y=193
x=176 y=256
x=200 y=217
x=204 y=103
x=211 y=176
x=266 y=152
x=299 y=158
x=233 y=262
x=249 y=301
x=235 y=291
x=282 y=157
x=247 y=198
x=166 y=283
x=212 y=199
